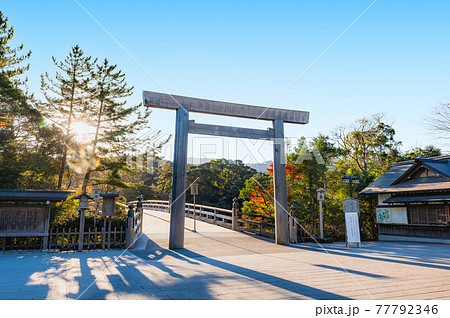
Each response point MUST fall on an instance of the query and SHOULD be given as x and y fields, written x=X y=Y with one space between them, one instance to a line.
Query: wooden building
x=414 y=201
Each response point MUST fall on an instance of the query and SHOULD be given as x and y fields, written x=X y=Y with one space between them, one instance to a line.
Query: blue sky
x=393 y=60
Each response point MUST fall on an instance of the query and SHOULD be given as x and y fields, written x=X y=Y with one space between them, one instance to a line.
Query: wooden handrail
x=258 y=216
x=222 y=217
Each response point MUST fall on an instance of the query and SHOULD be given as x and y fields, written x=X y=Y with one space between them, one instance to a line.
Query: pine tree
x=66 y=96
x=18 y=118
x=11 y=68
x=115 y=124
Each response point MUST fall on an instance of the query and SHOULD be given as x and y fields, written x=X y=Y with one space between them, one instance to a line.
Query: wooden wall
x=412 y=230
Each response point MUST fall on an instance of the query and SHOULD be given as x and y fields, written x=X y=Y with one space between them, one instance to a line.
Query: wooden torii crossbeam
x=183 y=105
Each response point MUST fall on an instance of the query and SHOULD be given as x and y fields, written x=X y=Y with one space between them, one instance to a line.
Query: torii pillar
x=279 y=185
x=183 y=105
x=177 y=210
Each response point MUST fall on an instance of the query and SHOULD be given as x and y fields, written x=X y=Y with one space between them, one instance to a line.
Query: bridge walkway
x=225 y=264
x=218 y=263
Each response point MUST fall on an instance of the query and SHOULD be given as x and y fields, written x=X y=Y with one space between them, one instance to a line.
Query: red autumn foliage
x=289 y=169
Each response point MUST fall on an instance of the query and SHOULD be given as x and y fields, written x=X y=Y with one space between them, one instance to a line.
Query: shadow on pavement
x=351 y=271
x=196 y=258
x=391 y=253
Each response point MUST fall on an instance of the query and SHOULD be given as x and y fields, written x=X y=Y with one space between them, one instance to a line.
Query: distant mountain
x=260 y=167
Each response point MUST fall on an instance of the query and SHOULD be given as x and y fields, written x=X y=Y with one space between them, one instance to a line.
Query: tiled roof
x=33 y=195
x=416 y=198
x=384 y=184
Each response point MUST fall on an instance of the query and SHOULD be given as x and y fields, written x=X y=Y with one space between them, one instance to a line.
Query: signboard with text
x=26 y=220
x=352 y=225
x=394 y=215
x=194 y=189
x=351 y=210
x=96 y=194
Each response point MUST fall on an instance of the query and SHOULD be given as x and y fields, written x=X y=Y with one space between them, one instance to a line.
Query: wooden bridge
x=245 y=222
x=233 y=219
x=219 y=263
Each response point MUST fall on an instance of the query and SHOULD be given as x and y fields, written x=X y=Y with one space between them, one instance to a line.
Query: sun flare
x=82 y=132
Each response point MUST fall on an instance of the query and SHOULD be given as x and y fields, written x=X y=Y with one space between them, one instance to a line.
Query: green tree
x=219 y=181
x=306 y=171
x=367 y=147
x=257 y=195
x=66 y=97
x=12 y=97
x=321 y=164
x=418 y=152
x=19 y=118
x=116 y=125
x=163 y=178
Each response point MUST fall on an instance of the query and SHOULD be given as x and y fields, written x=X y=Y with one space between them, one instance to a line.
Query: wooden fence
x=21 y=242
x=103 y=237
x=67 y=239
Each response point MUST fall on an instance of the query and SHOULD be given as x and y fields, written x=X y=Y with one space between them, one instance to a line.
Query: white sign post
x=321 y=198
x=194 y=192
x=351 y=210
x=96 y=196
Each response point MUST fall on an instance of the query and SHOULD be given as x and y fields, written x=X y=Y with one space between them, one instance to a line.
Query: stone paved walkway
x=217 y=263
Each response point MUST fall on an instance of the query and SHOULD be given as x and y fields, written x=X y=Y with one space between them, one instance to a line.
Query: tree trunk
x=62 y=168
x=88 y=173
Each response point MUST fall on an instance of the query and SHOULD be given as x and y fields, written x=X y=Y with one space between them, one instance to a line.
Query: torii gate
x=183 y=105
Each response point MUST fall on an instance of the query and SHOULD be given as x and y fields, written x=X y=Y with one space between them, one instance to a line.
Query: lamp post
x=350 y=180
x=96 y=196
x=83 y=205
x=321 y=198
x=108 y=210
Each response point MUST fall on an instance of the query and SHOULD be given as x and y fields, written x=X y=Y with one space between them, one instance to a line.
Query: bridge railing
x=209 y=214
x=234 y=219
x=138 y=221
x=257 y=224
x=217 y=216
x=245 y=222
x=157 y=205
